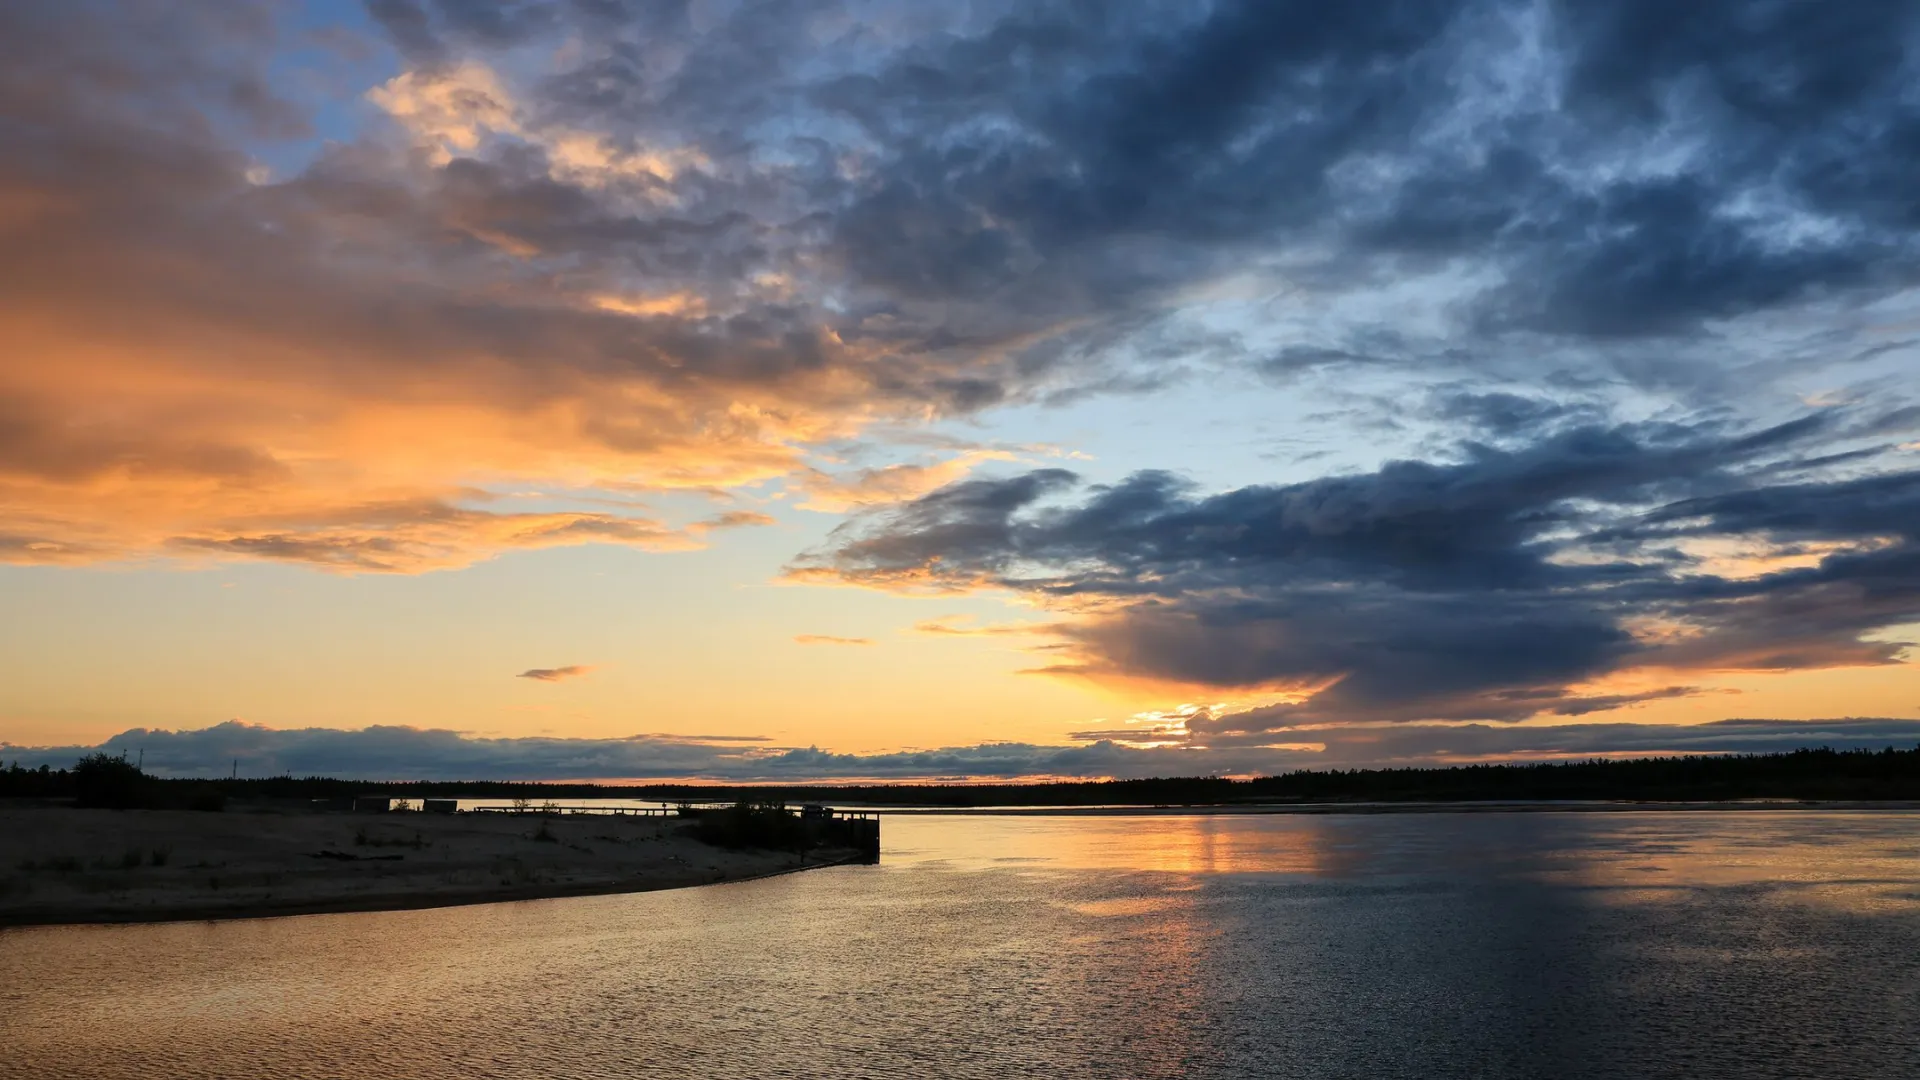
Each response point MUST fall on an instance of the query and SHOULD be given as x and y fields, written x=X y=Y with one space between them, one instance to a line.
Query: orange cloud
x=336 y=367
x=557 y=674
x=829 y=639
x=956 y=626
x=830 y=494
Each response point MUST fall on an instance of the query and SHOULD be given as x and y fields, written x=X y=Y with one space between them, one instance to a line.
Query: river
x=1526 y=945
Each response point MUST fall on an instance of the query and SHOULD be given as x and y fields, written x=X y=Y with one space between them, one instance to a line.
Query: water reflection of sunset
x=1171 y=844
x=1838 y=859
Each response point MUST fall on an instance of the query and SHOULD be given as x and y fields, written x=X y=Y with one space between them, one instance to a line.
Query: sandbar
x=66 y=865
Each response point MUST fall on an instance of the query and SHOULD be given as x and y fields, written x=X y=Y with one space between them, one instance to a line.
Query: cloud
x=409 y=753
x=422 y=535
x=734 y=519
x=1511 y=581
x=343 y=366
x=542 y=674
x=831 y=494
x=593 y=244
x=829 y=639
x=1486 y=132
x=962 y=626
x=450 y=109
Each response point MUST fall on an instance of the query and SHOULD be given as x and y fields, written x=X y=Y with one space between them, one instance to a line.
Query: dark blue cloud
x=1256 y=126
x=1606 y=172
x=1484 y=587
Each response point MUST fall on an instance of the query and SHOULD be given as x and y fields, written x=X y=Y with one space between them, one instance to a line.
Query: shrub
x=106 y=781
x=752 y=825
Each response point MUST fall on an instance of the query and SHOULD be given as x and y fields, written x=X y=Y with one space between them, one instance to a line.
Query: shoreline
x=72 y=867
x=372 y=904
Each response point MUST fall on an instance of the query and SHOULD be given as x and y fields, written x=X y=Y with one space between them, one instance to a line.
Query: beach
x=66 y=865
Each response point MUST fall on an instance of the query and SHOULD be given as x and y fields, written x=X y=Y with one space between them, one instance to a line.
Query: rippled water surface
x=1433 y=945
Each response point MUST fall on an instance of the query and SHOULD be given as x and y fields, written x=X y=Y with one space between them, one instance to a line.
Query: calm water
x=1495 y=945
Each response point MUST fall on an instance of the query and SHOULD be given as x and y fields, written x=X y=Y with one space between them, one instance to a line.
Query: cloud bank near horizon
x=408 y=753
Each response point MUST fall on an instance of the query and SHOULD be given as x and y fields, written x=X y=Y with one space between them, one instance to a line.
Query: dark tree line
x=110 y=782
x=102 y=780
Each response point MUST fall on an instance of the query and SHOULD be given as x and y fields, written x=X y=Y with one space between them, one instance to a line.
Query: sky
x=823 y=390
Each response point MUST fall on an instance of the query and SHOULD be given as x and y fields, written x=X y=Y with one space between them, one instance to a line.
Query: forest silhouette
x=1806 y=774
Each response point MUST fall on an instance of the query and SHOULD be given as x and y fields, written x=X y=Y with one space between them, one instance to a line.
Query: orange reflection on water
x=1843 y=861
x=1155 y=843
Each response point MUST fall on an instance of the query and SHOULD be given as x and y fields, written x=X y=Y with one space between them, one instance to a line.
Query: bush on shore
x=113 y=783
x=752 y=825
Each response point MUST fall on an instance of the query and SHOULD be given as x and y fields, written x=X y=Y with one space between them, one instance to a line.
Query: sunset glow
x=726 y=393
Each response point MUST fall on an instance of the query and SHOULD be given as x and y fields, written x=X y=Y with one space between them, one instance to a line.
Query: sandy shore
x=61 y=865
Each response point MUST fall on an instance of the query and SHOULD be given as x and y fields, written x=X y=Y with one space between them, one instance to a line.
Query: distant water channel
x=1529 y=945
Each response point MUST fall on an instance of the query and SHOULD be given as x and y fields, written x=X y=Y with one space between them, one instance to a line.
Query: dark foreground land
x=61 y=864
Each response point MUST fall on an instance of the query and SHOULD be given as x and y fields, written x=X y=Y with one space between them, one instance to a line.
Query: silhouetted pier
x=825 y=826
x=856 y=829
x=556 y=808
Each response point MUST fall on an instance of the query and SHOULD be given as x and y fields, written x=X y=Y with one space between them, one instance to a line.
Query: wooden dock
x=856 y=829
